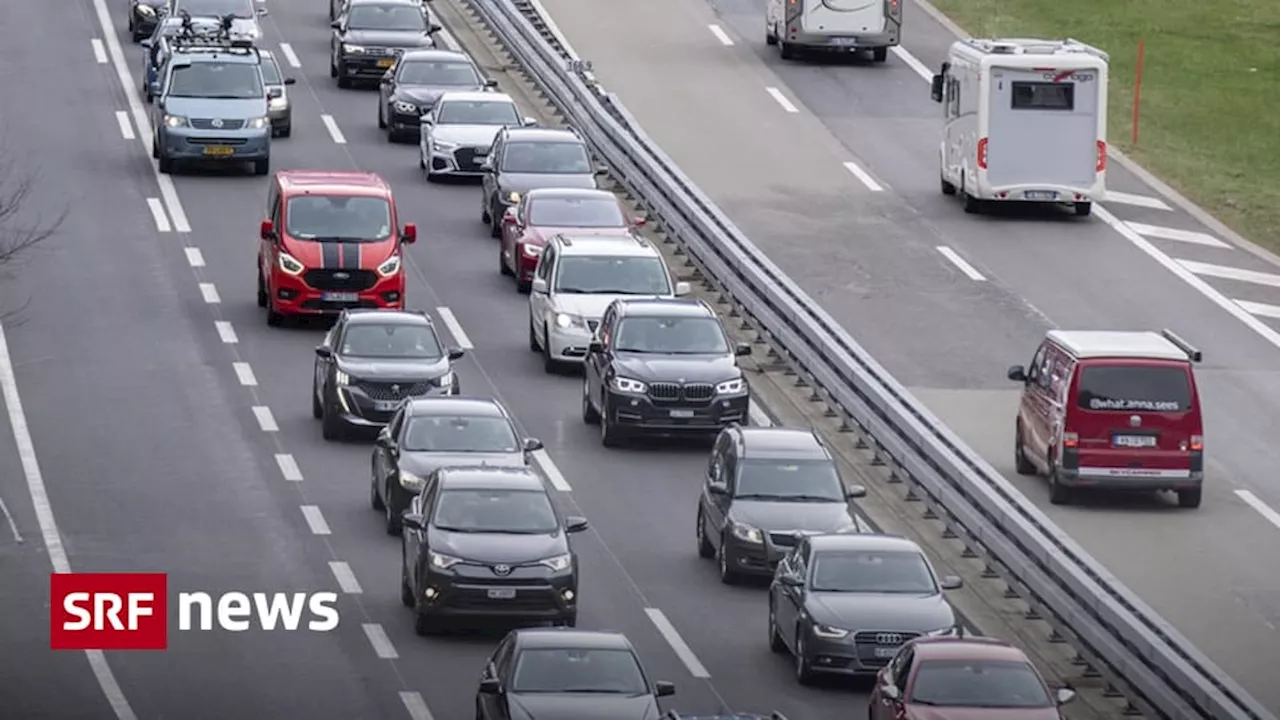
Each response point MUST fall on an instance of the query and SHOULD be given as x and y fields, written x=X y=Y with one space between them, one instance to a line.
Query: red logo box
x=108 y=611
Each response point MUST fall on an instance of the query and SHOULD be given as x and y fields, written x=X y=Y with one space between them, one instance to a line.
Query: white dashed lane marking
x=289 y=55
x=244 y=373
x=157 y=214
x=782 y=100
x=346 y=579
x=455 y=328
x=334 y=132
x=721 y=35
x=1260 y=309
x=380 y=642
x=863 y=176
x=194 y=257
x=126 y=129
x=1136 y=200
x=226 y=333
x=266 y=420
x=960 y=263
x=913 y=62
x=549 y=469
x=210 y=293
x=1186 y=236
x=416 y=706
x=99 y=51
x=677 y=643
x=757 y=416
x=1263 y=509
x=315 y=520
x=1231 y=273
x=288 y=467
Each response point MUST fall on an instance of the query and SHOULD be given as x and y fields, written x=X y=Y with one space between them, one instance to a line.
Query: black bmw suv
x=370 y=361
x=663 y=366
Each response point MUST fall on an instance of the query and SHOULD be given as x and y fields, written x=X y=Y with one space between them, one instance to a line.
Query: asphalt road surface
x=831 y=167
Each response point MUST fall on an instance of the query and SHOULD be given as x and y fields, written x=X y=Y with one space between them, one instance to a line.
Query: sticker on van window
x=1134 y=388
x=1148 y=405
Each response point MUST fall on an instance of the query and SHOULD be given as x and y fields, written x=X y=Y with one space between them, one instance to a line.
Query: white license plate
x=844 y=41
x=502 y=593
x=385 y=405
x=340 y=297
x=681 y=413
x=1134 y=441
x=886 y=652
x=1042 y=195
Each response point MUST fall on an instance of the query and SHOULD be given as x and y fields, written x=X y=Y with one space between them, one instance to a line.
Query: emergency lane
x=871 y=257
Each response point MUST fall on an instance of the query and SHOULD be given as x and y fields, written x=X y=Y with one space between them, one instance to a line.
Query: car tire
x=425 y=625
x=495 y=223
x=479 y=711
x=776 y=644
x=392 y=137
x=524 y=287
x=804 y=670
x=549 y=364
x=406 y=591
x=382 y=117
x=317 y=410
x=330 y=424
x=1021 y=464
x=274 y=319
x=533 y=339
x=610 y=435
x=333 y=68
x=972 y=205
x=1190 y=499
x=771 y=35
x=786 y=50
x=262 y=167
x=590 y=415
x=727 y=574
x=484 y=213
x=502 y=264
x=1059 y=494
x=705 y=548
x=880 y=54
x=375 y=500
x=1083 y=209
x=165 y=164
x=390 y=518
x=948 y=188
x=262 y=293
x=287 y=130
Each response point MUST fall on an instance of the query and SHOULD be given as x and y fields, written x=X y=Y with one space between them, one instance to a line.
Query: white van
x=833 y=26
x=1024 y=120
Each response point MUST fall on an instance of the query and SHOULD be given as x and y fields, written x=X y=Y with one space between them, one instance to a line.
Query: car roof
x=608 y=245
x=455 y=405
x=582 y=193
x=1144 y=345
x=552 y=638
x=475 y=96
x=362 y=316
x=348 y=182
x=487 y=477
x=872 y=542
x=781 y=442
x=435 y=54
x=540 y=134
x=193 y=54
x=970 y=648
x=665 y=307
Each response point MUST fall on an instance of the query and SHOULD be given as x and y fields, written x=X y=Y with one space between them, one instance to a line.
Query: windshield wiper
x=336 y=238
x=616 y=291
x=641 y=351
x=812 y=498
x=596 y=691
x=761 y=496
x=230 y=97
x=446 y=528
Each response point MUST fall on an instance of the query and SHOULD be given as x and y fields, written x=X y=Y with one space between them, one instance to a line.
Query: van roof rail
x=1186 y=347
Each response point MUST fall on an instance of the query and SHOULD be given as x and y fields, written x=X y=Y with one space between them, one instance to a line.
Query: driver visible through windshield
x=460 y=433
x=391 y=341
x=672 y=336
x=571 y=670
x=386 y=17
x=216 y=80
x=518 y=512
x=338 y=217
x=467 y=112
x=896 y=571
x=613 y=275
x=800 y=481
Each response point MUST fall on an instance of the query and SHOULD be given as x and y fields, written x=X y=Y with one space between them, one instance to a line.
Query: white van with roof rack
x=1024 y=120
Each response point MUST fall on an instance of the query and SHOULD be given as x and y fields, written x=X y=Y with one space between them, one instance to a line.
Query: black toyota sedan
x=560 y=674
x=429 y=433
x=485 y=544
x=370 y=361
x=371 y=34
x=411 y=88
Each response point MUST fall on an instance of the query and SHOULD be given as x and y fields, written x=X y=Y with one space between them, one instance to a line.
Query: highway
x=831 y=168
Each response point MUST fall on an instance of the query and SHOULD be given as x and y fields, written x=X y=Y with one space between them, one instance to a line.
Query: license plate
x=1042 y=195
x=386 y=63
x=844 y=41
x=1134 y=441
x=681 y=413
x=385 y=405
x=218 y=150
x=340 y=297
x=502 y=593
x=886 y=652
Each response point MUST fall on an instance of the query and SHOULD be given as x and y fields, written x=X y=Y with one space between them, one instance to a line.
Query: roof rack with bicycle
x=195 y=35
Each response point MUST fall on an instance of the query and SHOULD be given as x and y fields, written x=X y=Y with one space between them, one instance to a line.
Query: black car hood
x=569 y=706
x=773 y=516
x=389 y=369
x=677 y=368
x=881 y=611
x=509 y=549
x=388 y=38
x=423 y=463
x=524 y=182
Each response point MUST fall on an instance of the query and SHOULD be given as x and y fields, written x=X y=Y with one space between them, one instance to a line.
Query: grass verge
x=1210 y=109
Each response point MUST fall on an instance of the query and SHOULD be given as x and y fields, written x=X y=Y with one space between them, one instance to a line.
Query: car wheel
x=589 y=414
x=804 y=671
x=705 y=548
x=317 y=410
x=1021 y=464
x=274 y=319
x=1059 y=494
x=382 y=117
x=549 y=364
x=479 y=711
x=406 y=591
x=422 y=163
x=165 y=163
x=1189 y=498
x=424 y=624
x=390 y=517
x=1083 y=209
x=610 y=436
x=484 y=213
x=502 y=263
x=947 y=187
x=330 y=424
x=262 y=293
x=727 y=574
x=533 y=339
x=880 y=54
x=333 y=69
x=392 y=137
x=775 y=638
x=972 y=205
x=495 y=223
x=375 y=500
x=286 y=130
x=771 y=35
x=261 y=167
x=786 y=50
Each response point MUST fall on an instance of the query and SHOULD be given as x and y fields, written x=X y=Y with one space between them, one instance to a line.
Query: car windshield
x=270 y=71
x=439 y=74
x=216 y=80
x=460 y=433
x=334 y=218
x=386 y=17
x=518 y=512
x=672 y=335
x=570 y=670
x=894 y=571
x=221 y=8
x=613 y=275
x=390 y=340
x=564 y=158
x=979 y=684
x=576 y=212
x=790 y=480
x=477 y=112
x=1134 y=388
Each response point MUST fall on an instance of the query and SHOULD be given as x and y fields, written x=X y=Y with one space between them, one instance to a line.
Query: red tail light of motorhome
x=1197 y=443
x=1070 y=440
x=894 y=8
x=1102 y=156
x=982 y=153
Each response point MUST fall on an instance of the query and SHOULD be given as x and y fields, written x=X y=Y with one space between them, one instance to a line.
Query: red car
x=969 y=678
x=544 y=212
x=331 y=242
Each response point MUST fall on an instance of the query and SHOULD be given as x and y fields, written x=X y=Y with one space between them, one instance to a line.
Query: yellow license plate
x=386 y=63
x=218 y=150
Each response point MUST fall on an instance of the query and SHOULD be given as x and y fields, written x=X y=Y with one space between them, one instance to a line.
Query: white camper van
x=833 y=26
x=1024 y=120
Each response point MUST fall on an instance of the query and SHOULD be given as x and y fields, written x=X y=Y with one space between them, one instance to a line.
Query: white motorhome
x=1024 y=120
x=833 y=26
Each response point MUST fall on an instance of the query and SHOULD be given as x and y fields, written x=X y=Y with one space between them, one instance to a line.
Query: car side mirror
x=742 y=349
x=539 y=285
x=682 y=289
x=1064 y=695
x=491 y=83
x=717 y=488
x=490 y=686
x=456 y=353
x=639 y=221
x=384 y=437
x=575 y=524
x=336 y=24
x=595 y=346
x=936 y=92
x=274 y=93
x=1017 y=373
x=531 y=444
x=324 y=352
x=791 y=579
x=268 y=230
x=146 y=43
x=601 y=170
x=413 y=521
x=509 y=217
x=409 y=235
x=291 y=81
x=432 y=29
x=855 y=491
x=529 y=122
x=262 y=12
x=951 y=582
x=891 y=692
x=662 y=688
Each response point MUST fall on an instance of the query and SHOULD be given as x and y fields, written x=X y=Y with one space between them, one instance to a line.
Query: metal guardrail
x=1136 y=650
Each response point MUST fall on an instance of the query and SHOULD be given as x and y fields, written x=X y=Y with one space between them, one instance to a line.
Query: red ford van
x=1111 y=410
x=330 y=242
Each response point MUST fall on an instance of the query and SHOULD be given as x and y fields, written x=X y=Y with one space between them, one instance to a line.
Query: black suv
x=411 y=88
x=485 y=543
x=370 y=35
x=665 y=366
x=373 y=359
x=766 y=486
x=527 y=158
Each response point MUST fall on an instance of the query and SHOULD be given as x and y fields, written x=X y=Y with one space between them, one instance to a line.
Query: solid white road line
x=289 y=55
x=777 y=95
x=961 y=263
x=549 y=469
x=210 y=293
x=913 y=62
x=49 y=533
x=1264 y=509
x=416 y=706
x=1137 y=200
x=721 y=35
x=677 y=643
x=1187 y=236
x=757 y=416
x=195 y=258
x=244 y=373
x=380 y=642
x=864 y=176
x=346 y=579
x=455 y=328
x=1260 y=309
x=288 y=467
x=315 y=520
x=126 y=130
x=157 y=214
x=266 y=420
x=1231 y=273
x=332 y=126
x=450 y=41
x=99 y=51
x=226 y=333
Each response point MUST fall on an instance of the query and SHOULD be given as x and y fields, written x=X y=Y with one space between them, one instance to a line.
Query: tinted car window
x=496 y=511
x=783 y=479
x=216 y=80
x=467 y=112
x=576 y=212
x=221 y=8
x=439 y=74
x=674 y=335
x=572 y=670
x=979 y=683
x=1134 y=388
x=338 y=217
x=385 y=17
x=460 y=434
x=617 y=275
x=546 y=157
x=271 y=71
x=872 y=572
x=390 y=341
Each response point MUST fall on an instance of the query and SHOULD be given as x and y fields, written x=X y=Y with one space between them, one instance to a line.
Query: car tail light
x=894 y=8
x=1102 y=156
x=982 y=153
x=1197 y=443
x=1070 y=440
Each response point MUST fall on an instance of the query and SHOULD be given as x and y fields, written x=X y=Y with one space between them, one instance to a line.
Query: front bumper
x=369 y=404
x=642 y=413
x=568 y=345
x=363 y=66
x=294 y=295
x=403 y=122
x=281 y=115
x=758 y=559
x=470 y=592
x=187 y=143
x=462 y=161
x=855 y=654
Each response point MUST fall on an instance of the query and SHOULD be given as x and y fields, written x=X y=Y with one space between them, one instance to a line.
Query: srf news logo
x=130 y=611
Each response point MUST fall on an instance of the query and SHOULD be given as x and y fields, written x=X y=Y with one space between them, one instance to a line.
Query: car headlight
x=513 y=197
x=531 y=250
x=732 y=387
x=290 y=264
x=567 y=320
x=146 y=10
x=559 y=563
x=259 y=122
x=442 y=562
x=445 y=380
x=627 y=385
x=826 y=631
x=407 y=108
x=442 y=146
x=341 y=377
x=410 y=482
x=390 y=266
x=352 y=49
x=174 y=121
x=746 y=533
x=278 y=103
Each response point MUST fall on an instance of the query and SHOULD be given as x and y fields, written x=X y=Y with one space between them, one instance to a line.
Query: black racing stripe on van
x=351 y=255
x=330 y=255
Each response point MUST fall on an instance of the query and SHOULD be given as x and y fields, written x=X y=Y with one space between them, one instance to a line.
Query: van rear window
x=1044 y=96
x=1131 y=388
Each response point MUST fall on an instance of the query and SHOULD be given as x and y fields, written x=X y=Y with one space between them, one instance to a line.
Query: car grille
x=393 y=390
x=214 y=141
x=592 y=325
x=675 y=392
x=867 y=641
x=356 y=280
x=211 y=124
x=468 y=159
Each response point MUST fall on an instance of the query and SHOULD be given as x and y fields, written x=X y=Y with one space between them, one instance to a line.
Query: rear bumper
x=1131 y=478
x=794 y=34
x=1030 y=193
